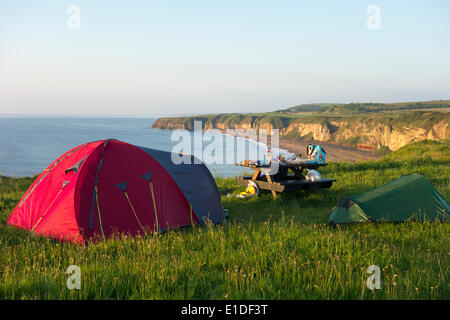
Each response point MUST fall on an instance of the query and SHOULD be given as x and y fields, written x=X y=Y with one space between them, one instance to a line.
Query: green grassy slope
x=348 y=108
x=269 y=249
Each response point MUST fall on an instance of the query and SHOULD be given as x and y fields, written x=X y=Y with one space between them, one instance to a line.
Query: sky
x=177 y=57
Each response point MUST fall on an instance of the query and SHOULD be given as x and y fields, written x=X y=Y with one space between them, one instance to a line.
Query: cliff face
x=394 y=138
x=373 y=132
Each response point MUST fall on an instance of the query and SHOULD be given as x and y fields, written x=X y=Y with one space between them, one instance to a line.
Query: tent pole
x=134 y=212
x=32 y=229
x=190 y=213
x=154 y=206
x=99 y=215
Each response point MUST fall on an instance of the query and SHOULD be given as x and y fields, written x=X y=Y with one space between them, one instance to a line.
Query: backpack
x=316 y=153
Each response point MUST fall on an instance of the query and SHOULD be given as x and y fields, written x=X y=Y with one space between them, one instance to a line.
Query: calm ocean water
x=29 y=145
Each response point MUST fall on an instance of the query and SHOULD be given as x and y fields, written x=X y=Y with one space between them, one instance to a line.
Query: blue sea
x=29 y=144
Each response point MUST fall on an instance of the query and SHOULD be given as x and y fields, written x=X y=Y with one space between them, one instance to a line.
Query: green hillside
x=352 y=108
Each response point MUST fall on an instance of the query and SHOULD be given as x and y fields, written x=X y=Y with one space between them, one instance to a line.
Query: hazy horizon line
x=128 y=115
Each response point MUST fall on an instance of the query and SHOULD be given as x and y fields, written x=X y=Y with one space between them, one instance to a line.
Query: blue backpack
x=316 y=153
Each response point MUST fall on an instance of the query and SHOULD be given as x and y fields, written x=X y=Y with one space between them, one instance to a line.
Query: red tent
x=106 y=187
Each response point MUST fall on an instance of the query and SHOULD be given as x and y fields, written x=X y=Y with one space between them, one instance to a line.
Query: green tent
x=409 y=197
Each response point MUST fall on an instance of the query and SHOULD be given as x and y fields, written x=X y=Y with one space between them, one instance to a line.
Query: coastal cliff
x=392 y=131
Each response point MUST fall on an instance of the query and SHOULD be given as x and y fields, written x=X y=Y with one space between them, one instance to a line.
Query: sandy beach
x=334 y=152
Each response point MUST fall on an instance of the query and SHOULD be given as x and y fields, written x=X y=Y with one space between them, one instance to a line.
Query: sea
x=28 y=145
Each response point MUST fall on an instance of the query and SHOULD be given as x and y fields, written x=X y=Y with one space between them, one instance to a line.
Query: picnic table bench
x=283 y=181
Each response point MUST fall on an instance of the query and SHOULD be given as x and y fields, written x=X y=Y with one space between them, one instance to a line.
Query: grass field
x=268 y=249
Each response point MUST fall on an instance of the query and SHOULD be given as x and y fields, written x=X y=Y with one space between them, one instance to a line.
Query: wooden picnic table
x=283 y=181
